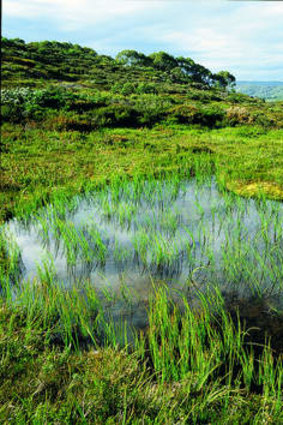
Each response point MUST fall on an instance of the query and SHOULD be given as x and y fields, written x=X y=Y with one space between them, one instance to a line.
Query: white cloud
x=76 y=12
x=245 y=37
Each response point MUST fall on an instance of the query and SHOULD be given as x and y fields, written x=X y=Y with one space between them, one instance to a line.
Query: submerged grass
x=169 y=233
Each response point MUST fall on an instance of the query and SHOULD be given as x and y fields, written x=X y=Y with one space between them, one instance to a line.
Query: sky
x=244 y=37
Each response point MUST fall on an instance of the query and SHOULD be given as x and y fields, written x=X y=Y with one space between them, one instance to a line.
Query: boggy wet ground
x=187 y=234
x=263 y=323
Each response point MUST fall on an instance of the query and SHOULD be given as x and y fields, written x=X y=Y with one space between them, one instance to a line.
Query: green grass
x=190 y=367
x=39 y=165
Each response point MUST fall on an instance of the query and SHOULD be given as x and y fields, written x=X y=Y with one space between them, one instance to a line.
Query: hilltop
x=29 y=63
x=73 y=87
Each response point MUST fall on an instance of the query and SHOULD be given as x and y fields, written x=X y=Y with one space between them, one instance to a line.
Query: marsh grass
x=77 y=163
x=168 y=227
x=194 y=362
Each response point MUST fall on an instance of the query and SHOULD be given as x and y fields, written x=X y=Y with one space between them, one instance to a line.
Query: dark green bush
x=116 y=115
x=206 y=116
x=11 y=113
x=146 y=88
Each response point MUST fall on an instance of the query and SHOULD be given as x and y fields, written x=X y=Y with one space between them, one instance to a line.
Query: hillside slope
x=72 y=87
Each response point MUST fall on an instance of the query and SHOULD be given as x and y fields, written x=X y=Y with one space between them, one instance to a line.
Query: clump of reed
x=204 y=345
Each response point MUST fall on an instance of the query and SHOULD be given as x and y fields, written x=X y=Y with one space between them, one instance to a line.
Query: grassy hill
x=25 y=63
x=70 y=87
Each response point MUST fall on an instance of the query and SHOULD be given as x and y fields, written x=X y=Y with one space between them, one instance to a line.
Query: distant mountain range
x=268 y=90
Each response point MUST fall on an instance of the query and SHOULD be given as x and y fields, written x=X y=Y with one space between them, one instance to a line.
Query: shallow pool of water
x=179 y=232
x=170 y=232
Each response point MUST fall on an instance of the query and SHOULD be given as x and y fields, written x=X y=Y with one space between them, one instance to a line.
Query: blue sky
x=244 y=37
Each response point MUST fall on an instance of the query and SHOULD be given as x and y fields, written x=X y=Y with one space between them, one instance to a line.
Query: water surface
x=188 y=235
